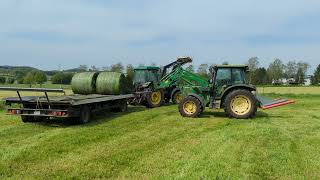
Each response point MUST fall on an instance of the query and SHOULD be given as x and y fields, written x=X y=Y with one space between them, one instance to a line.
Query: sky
x=55 y=34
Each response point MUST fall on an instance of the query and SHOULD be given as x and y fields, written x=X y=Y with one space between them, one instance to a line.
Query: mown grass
x=290 y=90
x=282 y=143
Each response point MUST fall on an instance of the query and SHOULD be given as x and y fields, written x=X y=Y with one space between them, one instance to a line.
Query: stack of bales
x=106 y=83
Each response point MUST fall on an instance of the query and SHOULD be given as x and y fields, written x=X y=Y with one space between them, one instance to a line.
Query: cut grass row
x=282 y=143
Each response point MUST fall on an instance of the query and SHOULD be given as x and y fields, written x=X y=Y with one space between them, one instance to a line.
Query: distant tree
x=276 y=70
x=10 y=80
x=261 y=77
x=203 y=70
x=153 y=64
x=94 y=68
x=29 y=79
x=190 y=68
x=117 y=68
x=62 y=78
x=2 y=80
x=253 y=64
x=316 y=76
x=300 y=76
x=302 y=72
x=83 y=68
x=291 y=69
x=129 y=79
x=40 y=77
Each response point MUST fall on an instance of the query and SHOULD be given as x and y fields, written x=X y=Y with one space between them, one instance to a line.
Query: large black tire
x=85 y=115
x=190 y=107
x=240 y=104
x=155 y=99
x=176 y=97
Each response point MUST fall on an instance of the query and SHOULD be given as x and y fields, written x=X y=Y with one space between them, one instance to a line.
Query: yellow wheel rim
x=156 y=97
x=190 y=107
x=179 y=97
x=240 y=105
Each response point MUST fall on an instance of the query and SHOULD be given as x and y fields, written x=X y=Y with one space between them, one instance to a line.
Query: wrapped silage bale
x=84 y=83
x=111 y=83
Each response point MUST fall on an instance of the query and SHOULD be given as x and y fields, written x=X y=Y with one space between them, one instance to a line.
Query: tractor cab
x=145 y=75
x=225 y=76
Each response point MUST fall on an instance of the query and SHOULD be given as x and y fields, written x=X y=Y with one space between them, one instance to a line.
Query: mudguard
x=201 y=99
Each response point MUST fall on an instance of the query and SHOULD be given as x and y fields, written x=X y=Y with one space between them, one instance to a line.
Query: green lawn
x=141 y=144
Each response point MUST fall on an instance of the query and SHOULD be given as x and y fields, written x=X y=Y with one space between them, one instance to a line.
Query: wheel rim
x=240 y=105
x=189 y=107
x=156 y=97
x=178 y=97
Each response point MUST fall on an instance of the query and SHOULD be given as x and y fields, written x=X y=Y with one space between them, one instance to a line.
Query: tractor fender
x=234 y=87
x=201 y=99
x=174 y=91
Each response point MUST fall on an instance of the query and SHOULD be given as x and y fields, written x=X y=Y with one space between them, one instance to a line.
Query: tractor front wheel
x=155 y=99
x=190 y=107
x=240 y=104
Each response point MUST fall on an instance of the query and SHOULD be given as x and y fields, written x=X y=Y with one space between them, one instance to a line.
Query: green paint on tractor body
x=224 y=79
x=148 y=79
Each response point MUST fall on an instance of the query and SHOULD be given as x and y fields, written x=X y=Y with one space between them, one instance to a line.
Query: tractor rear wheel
x=190 y=107
x=240 y=104
x=155 y=99
x=177 y=97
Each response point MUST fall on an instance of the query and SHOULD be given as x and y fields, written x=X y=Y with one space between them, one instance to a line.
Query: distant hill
x=16 y=68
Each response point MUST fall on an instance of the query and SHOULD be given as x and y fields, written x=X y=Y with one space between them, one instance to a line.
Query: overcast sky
x=52 y=33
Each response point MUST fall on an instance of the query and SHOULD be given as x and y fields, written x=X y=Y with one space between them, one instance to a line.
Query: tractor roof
x=233 y=66
x=147 y=68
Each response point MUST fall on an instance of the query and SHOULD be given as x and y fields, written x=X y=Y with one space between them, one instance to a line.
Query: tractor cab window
x=153 y=76
x=223 y=77
x=139 y=76
x=238 y=76
x=144 y=76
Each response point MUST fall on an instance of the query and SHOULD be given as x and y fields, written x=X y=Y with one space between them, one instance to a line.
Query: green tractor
x=226 y=89
x=154 y=86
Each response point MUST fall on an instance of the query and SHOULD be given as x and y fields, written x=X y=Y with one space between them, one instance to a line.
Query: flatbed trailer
x=76 y=107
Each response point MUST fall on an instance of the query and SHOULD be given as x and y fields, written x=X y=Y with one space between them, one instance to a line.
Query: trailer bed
x=78 y=107
x=73 y=100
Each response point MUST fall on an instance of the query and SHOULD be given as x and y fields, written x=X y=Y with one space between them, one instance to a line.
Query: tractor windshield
x=144 y=76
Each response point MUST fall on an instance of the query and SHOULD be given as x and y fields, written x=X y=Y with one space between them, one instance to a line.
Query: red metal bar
x=278 y=104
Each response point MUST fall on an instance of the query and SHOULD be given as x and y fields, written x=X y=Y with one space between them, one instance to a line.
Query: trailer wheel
x=155 y=99
x=177 y=97
x=240 y=104
x=190 y=107
x=85 y=115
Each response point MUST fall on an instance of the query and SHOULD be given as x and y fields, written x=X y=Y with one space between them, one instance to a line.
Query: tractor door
x=227 y=77
x=223 y=80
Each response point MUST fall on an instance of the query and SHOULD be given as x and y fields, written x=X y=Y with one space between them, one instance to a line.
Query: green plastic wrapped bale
x=84 y=83
x=111 y=83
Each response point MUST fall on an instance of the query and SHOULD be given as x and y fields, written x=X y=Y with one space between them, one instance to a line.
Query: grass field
x=282 y=143
x=290 y=90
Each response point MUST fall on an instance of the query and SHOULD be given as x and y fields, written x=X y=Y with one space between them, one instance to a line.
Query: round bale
x=111 y=83
x=84 y=83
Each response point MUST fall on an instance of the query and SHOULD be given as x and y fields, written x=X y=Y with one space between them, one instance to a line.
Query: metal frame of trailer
x=76 y=107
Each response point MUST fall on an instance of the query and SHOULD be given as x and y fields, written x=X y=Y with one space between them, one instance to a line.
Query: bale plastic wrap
x=111 y=83
x=84 y=83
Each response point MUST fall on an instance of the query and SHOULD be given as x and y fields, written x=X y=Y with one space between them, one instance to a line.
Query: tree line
x=295 y=72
